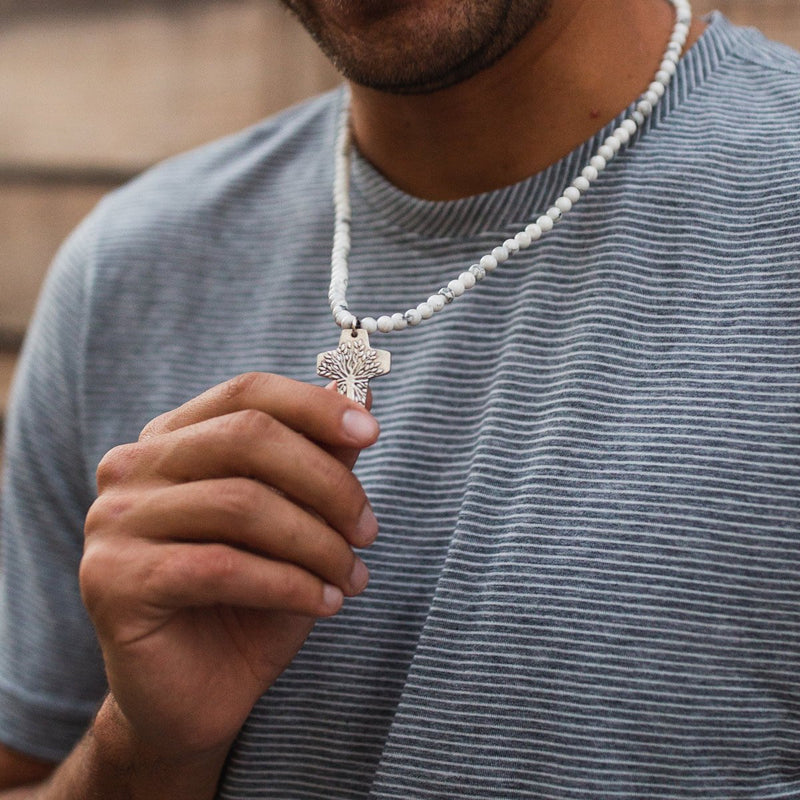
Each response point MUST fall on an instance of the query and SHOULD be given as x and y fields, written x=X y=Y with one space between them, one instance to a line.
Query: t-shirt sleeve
x=51 y=670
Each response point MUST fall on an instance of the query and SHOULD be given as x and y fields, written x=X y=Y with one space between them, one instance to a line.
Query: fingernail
x=332 y=598
x=360 y=425
x=359 y=577
x=366 y=527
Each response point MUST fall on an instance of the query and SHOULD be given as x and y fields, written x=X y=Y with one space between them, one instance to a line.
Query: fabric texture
x=586 y=583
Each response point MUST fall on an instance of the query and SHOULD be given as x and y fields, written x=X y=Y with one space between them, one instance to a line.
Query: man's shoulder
x=279 y=154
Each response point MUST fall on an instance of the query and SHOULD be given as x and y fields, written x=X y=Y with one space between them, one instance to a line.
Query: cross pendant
x=353 y=364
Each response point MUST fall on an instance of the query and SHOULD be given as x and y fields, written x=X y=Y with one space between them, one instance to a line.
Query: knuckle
x=252 y=424
x=97 y=573
x=118 y=465
x=242 y=385
x=239 y=498
x=105 y=513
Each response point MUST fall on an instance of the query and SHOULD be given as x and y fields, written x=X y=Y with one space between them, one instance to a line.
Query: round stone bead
x=385 y=324
x=523 y=239
x=555 y=213
x=436 y=302
x=614 y=142
x=645 y=107
x=651 y=97
x=604 y=151
x=346 y=320
x=668 y=65
x=590 y=172
x=637 y=118
x=500 y=254
x=425 y=310
x=534 y=231
x=629 y=125
x=489 y=263
x=399 y=321
x=369 y=324
x=413 y=317
x=598 y=162
x=545 y=223
x=581 y=184
x=564 y=204
x=512 y=245
x=572 y=193
x=456 y=287
x=478 y=271
x=467 y=279
x=658 y=87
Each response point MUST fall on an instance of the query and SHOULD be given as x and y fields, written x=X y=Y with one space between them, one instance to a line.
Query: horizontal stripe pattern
x=586 y=583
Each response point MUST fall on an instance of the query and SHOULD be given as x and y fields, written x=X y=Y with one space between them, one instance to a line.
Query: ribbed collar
x=514 y=206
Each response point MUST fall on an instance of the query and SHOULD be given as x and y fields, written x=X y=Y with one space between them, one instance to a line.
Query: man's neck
x=568 y=77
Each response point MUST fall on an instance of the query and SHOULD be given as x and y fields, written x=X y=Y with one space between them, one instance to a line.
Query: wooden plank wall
x=90 y=97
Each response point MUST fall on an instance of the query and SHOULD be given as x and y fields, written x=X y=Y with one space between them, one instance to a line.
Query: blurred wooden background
x=93 y=91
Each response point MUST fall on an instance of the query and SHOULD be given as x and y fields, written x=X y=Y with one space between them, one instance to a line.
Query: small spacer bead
x=385 y=324
x=534 y=230
x=545 y=223
x=512 y=245
x=436 y=302
x=456 y=287
x=572 y=193
x=581 y=184
x=425 y=310
x=500 y=254
x=369 y=324
x=413 y=317
x=399 y=321
x=489 y=263
x=478 y=271
x=523 y=239
x=467 y=279
x=564 y=204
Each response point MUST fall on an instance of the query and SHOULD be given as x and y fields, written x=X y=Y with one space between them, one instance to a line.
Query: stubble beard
x=399 y=53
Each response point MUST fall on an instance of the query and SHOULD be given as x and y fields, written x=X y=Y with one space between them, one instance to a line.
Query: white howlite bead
x=456 y=287
x=512 y=245
x=534 y=231
x=500 y=254
x=590 y=172
x=564 y=204
x=489 y=263
x=657 y=86
x=645 y=107
x=369 y=324
x=467 y=279
x=478 y=271
x=436 y=302
x=545 y=223
x=425 y=310
x=572 y=193
x=581 y=184
x=346 y=320
x=598 y=162
x=651 y=97
x=399 y=321
x=604 y=151
x=555 y=213
x=622 y=136
x=614 y=142
x=413 y=317
x=637 y=118
x=523 y=239
x=630 y=126
x=385 y=324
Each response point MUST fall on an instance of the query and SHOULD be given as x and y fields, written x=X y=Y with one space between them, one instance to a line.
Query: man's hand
x=215 y=542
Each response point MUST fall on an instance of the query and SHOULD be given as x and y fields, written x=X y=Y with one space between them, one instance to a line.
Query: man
x=586 y=579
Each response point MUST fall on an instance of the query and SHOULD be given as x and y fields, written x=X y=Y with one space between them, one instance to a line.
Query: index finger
x=323 y=416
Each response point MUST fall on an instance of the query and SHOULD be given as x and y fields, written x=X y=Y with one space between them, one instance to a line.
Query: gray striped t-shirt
x=587 y=583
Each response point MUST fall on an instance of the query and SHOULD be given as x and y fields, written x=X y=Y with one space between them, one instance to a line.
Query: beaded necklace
x=354 y=363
